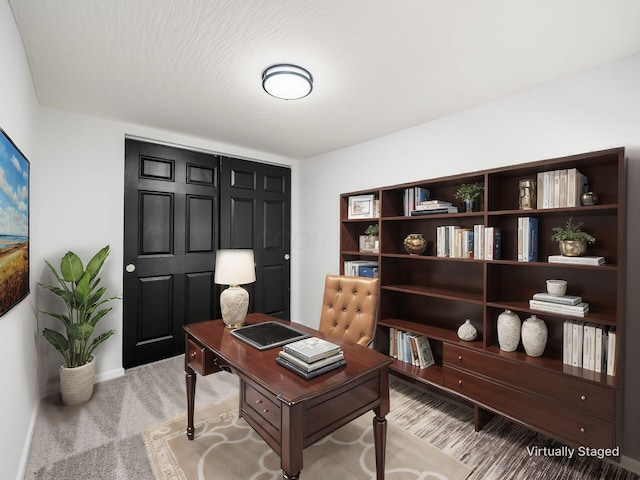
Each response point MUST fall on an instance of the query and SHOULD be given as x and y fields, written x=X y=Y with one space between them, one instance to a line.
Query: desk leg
x=380 y=440
x=191 y=397
x=292 y=440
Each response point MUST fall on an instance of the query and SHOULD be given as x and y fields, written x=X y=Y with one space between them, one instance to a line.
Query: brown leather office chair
x=350 y=308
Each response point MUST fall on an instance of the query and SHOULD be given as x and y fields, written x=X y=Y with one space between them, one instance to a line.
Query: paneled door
x=255 y=212
x=171 y=237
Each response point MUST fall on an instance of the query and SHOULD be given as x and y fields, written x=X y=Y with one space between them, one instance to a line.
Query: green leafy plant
x=571 y=231
x=469 y=191
x=82 y=294
x=372 y=230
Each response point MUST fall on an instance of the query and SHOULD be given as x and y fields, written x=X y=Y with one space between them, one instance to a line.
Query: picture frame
x=361 y=206
x=14 y=224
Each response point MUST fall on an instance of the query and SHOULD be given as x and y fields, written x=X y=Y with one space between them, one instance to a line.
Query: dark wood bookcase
x=433 y=296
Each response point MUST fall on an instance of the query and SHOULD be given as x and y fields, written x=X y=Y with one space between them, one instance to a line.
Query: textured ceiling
x=379 y=65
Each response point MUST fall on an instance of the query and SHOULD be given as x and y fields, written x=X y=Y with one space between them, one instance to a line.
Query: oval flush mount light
x=288 y=82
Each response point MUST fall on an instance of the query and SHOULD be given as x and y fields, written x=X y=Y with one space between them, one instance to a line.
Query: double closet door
x=181 y=206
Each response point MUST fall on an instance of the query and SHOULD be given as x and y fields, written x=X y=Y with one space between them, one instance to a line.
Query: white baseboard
x=630 y=464
x=53 y=385
x=22 y=467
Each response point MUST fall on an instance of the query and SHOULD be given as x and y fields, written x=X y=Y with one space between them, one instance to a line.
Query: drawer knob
x=583 y=397
x=459 y=382
x=258 y=401
x=460 y=357
x=194 y=354
x=582 y=429
x=265 y=411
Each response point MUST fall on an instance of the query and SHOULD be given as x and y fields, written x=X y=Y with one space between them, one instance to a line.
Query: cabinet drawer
x=260 y=404
x=570 y=392
x=201 y=360
x=562 y=422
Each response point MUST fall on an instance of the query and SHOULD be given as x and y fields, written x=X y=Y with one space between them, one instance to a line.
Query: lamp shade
x=288 y=82
x=235 y=267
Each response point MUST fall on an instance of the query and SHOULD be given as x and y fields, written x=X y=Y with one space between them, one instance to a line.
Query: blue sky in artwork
x=14 y=190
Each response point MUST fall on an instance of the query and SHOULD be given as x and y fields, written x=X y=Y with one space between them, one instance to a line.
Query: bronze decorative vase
x=415 y=243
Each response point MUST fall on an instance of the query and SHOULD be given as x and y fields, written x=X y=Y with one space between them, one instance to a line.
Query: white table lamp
x=234 y=268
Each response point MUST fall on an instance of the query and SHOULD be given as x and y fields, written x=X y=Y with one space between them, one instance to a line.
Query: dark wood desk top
x=261 y=367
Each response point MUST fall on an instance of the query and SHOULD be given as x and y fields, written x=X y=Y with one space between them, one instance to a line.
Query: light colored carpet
x=226 y=447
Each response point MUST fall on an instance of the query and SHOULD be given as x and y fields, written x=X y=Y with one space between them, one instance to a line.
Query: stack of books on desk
x=311 y=357
x=563 y=305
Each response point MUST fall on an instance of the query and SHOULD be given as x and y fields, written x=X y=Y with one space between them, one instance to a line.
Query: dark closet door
x=171 y=236
x=255 y=212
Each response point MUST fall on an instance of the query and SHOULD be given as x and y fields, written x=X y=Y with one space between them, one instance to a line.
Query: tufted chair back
x=350 y=308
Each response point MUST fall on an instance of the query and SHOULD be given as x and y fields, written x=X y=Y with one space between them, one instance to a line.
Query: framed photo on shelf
x=361 y=206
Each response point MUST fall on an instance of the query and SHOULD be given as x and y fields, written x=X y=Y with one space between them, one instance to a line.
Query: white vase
x=508 y=330
x=76 y=384
x=534 y=336
x=467 y=331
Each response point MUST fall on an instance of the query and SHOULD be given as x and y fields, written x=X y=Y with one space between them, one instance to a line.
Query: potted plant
x=370 y=241
x=82 y=294
x=469 y=193
x=572 y=241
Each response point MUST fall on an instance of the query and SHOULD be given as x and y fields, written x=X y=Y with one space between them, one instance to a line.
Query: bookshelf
x=433 y=295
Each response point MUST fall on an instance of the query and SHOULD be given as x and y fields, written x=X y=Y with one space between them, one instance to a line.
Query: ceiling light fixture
x=288 y=82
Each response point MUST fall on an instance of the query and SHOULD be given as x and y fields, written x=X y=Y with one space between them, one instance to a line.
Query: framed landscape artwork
x=14 y=224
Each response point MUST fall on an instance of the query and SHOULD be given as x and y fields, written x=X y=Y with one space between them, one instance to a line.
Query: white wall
x=595 y=110
x=18 y=118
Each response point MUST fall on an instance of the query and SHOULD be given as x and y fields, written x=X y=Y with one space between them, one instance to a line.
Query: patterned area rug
x=226 y=447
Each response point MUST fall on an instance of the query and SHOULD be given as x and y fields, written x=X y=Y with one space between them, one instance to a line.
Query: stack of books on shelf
x=433 y=207
x=564 y=305
x=311 y=357
x=414 y=196
x=410 y=348
x=584 y=260
x=589 y=346
x=527 y=239
x=361 y=268
x=560 y=188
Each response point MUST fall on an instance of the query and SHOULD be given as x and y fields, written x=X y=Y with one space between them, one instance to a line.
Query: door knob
x=287 y=256
x=130 y=268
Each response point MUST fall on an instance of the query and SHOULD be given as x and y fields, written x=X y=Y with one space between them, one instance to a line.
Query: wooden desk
x=287 y=411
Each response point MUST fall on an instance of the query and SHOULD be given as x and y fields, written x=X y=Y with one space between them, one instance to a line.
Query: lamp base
x=234 y=303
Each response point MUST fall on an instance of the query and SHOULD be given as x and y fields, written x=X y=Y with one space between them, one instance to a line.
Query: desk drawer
x=260 y=403
x=560 y=421
x=200 y=359
x=570 y=392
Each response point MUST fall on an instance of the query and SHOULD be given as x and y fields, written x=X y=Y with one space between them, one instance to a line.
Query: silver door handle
x=130 y=268
x=286 y=256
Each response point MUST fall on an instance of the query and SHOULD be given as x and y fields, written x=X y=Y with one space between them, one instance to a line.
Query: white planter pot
x=76 y=384
x=534 y=336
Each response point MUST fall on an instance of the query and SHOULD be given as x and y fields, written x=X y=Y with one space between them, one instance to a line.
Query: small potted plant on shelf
x=469 y=193
x=572 y=241
x=83 y=296
x=370 y=241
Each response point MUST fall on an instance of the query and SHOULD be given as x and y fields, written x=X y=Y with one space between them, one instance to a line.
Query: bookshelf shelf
x=431 y=295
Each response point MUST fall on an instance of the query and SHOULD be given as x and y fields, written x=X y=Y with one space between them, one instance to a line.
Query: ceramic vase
x=467 y=331
x=415 y=243
x=509 y=326
x=534 y=336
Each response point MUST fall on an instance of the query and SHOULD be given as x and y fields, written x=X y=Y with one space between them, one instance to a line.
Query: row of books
x=410 y=348
x=361 y=268
x=311 y=357
x=571 y=305
x=459 y=242
x=414 y=196
x=590 y=346
x=560 y=188
x=527 y=239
